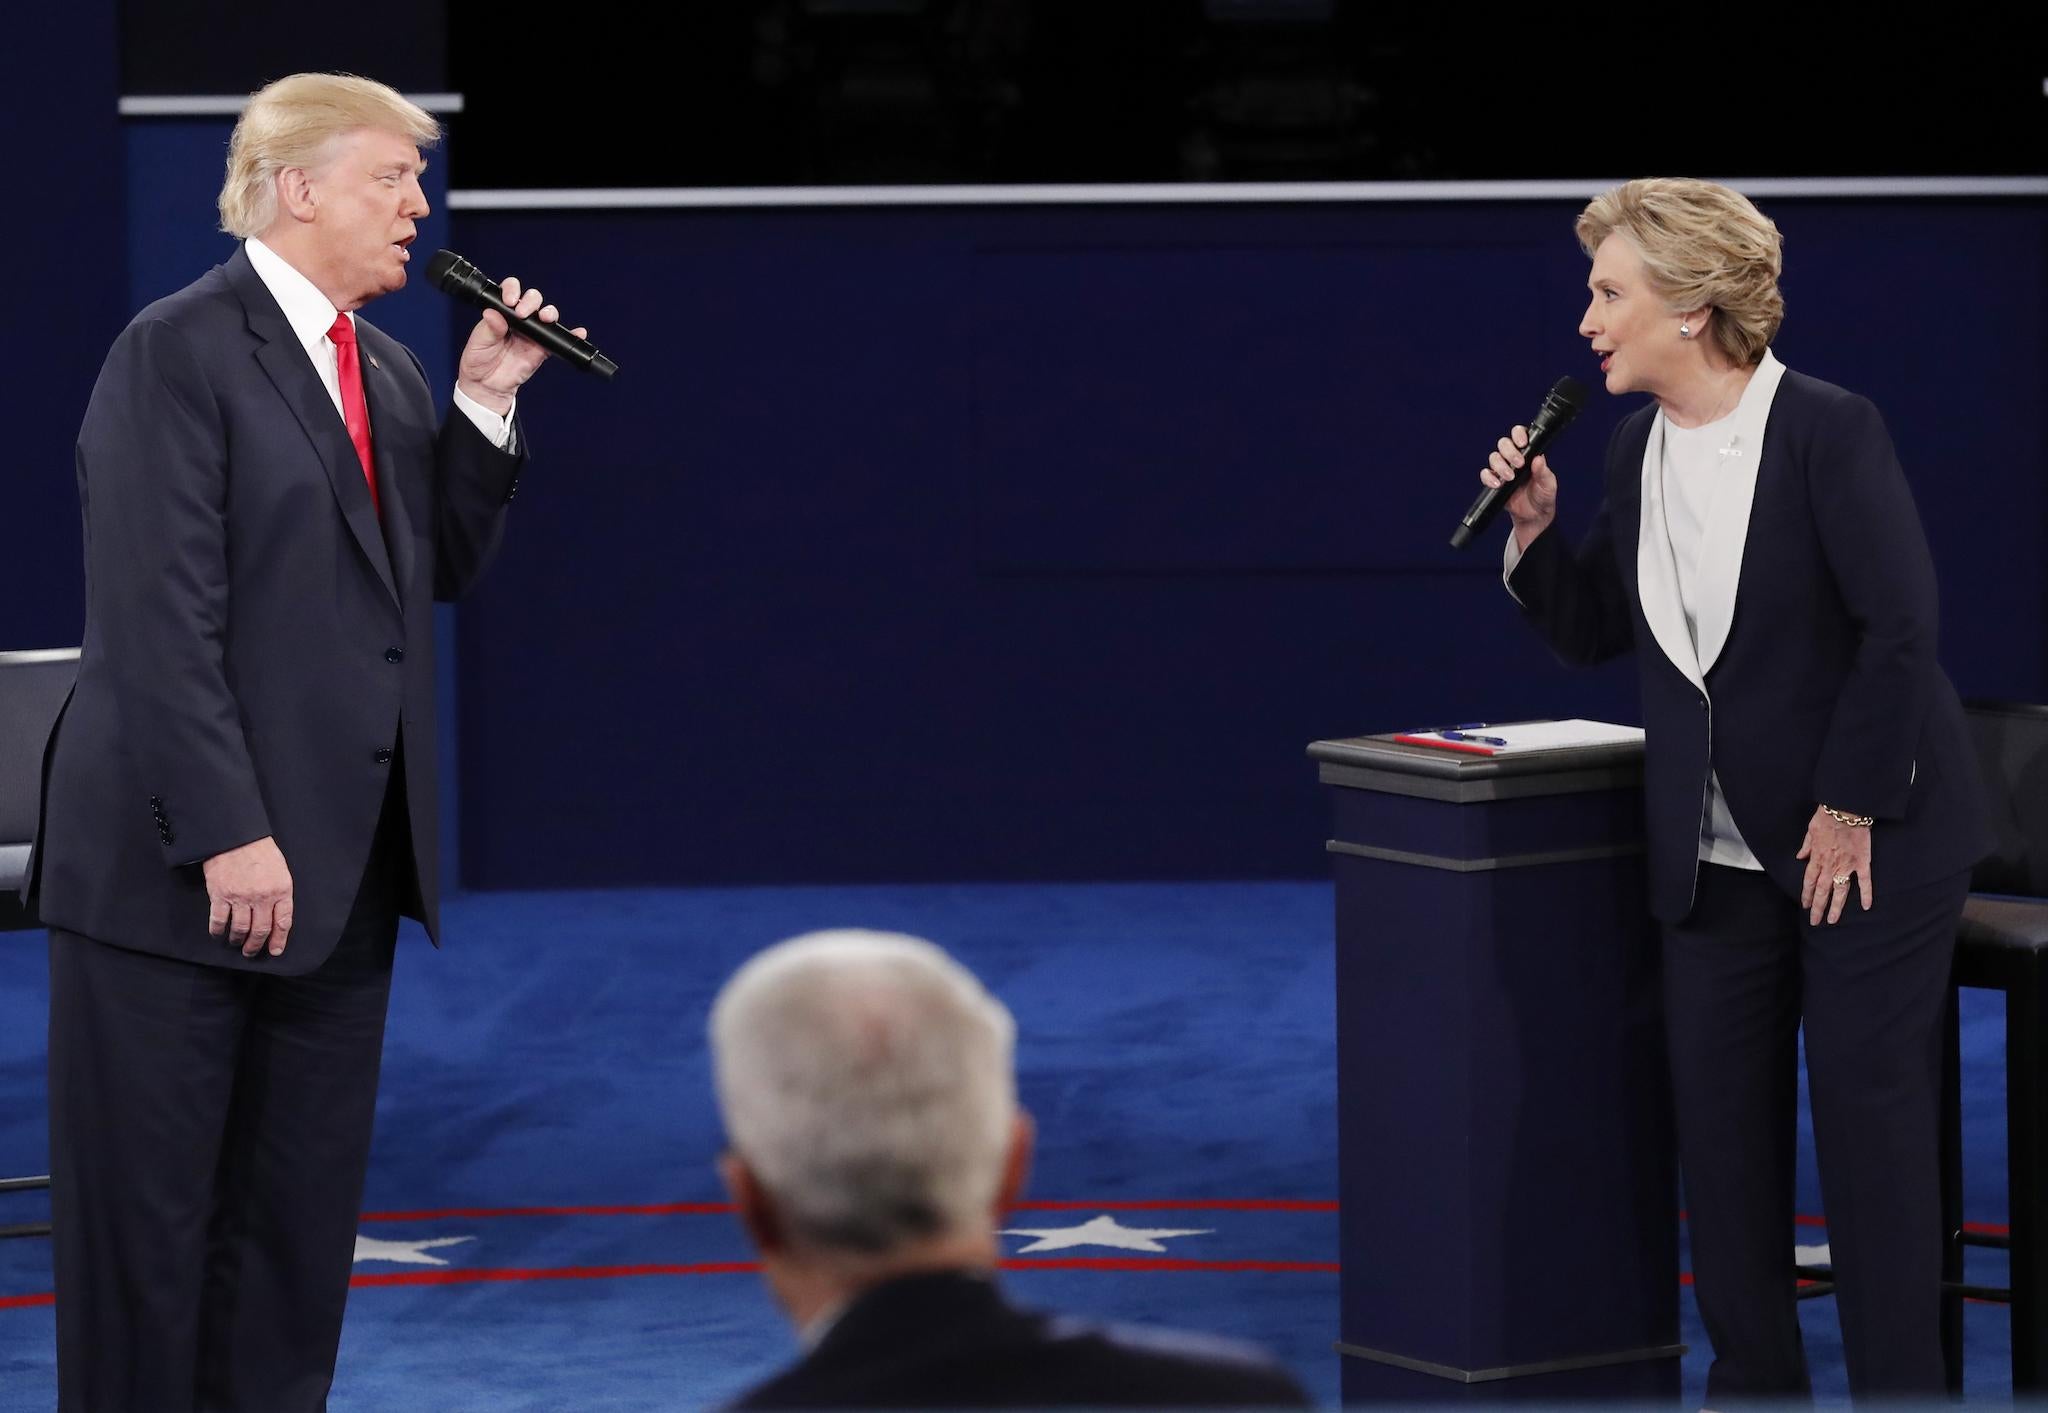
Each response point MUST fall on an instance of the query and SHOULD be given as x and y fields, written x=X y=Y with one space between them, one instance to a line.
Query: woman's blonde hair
x=1703 y=245
x=290 y=123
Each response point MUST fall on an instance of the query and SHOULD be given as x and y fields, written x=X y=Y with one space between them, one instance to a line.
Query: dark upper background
x=774 y=92
x=1001 y=541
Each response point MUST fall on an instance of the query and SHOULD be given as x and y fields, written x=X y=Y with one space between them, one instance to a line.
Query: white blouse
x=1692 y=470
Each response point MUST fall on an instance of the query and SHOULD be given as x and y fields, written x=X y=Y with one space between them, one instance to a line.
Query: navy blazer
x=1827 y=690
x=258 y=652
x=950 y=1340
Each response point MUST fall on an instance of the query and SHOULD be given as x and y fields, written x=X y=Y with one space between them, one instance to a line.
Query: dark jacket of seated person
x=950 y=1340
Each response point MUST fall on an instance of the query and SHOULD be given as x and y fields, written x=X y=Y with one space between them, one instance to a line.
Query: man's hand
x=251 y=892
x=495 y=362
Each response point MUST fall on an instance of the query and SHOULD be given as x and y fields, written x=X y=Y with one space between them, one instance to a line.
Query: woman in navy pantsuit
x=1812 y=802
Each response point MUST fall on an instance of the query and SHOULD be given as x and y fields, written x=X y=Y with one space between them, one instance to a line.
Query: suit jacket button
x=383 y=756
x=394 y=654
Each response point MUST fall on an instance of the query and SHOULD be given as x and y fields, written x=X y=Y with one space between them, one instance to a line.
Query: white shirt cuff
x=1509 y=558
x=497 y=430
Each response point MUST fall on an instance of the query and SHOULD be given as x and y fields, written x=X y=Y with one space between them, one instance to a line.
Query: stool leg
x=2026 y=1137
x=1952 y=1192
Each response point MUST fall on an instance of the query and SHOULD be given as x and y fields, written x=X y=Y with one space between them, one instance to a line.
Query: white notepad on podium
x=1528 y=737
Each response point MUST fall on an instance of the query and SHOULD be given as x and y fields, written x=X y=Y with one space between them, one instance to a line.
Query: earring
x=1685 y=331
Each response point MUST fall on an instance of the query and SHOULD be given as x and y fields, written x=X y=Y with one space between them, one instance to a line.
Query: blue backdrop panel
x=1036 y=543
x=61 y=246
x=1140 y=407
x=1935 y=311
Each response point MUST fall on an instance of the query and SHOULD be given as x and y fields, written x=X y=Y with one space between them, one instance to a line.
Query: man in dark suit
x=870 y=1102
x=239 y=796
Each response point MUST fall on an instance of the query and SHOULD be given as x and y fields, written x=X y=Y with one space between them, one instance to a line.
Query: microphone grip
x=552 y=337
x=458 y=279
x=1492 y=498
x=1485 y=507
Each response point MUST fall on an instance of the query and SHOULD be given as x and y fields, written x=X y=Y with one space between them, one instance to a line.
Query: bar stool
x=33 y=686
x=2002 y=945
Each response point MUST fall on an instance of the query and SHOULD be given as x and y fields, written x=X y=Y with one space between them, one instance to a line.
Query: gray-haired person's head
x=868 y=1082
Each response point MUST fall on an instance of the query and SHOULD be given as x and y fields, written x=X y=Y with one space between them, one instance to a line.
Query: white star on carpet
x=408 y=1253
x=1811 y=1256
x=1101 y=1231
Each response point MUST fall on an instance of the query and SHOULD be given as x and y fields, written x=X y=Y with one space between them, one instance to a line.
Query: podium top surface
x=1382 y=763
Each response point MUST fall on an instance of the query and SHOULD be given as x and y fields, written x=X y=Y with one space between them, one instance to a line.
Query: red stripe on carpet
x=1195 y=1204
x=461 y=1276
x=1156 y=1204
x=729 y=1268
x=470 y=1214
x=1806 y=1219
x=457 y=1276
x=1125 y=1263
x=712 y=1209
x=1685 y=1278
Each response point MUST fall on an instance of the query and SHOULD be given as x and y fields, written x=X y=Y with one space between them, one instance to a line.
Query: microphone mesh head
x=1571 y=390
x=442 y=269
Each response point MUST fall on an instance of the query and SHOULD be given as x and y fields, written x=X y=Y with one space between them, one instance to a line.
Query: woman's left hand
x=1834 y=852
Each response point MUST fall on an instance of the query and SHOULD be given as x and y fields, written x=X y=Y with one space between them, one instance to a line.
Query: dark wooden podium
x=1508 y=1173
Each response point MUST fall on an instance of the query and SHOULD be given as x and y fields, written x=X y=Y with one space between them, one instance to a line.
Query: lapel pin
x=374 y=363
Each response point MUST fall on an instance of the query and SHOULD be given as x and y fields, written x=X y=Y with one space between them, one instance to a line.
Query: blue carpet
x=1176 y=1045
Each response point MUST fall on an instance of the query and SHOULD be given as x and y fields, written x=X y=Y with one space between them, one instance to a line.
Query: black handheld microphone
x=1560 y=405
x=456 y=277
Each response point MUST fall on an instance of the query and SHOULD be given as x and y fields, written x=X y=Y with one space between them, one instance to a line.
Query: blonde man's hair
x=290 y=123
x=1703 y=245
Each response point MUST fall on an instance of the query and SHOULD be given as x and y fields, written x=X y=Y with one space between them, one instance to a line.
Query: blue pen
x=1477 y=740
x=1443 y=730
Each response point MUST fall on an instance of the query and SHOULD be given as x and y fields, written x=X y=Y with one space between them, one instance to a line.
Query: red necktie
x=354 y=411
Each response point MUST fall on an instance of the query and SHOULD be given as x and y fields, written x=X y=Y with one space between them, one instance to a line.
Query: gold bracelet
x=1854 y=821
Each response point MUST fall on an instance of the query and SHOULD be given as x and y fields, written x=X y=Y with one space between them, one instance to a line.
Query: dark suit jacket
x=256 y=645
x=949 y=1340
x=1827 y=690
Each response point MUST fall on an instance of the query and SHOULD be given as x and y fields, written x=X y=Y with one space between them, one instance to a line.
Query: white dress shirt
x=311 y=314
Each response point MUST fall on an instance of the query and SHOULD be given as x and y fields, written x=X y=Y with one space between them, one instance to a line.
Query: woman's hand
x=1835 y=853
x=1534 y=504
